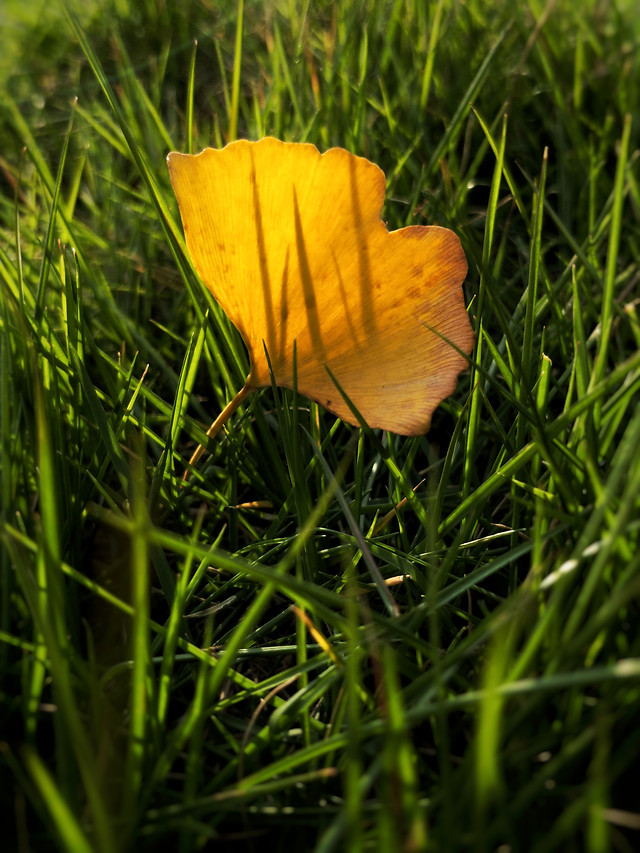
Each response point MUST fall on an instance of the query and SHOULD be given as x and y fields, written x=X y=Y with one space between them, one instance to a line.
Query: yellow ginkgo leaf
x=291 y=244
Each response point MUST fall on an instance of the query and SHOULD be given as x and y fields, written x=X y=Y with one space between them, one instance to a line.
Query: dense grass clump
x=328 y=639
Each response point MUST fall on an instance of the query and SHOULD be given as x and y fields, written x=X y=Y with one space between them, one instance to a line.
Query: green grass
x=218 y=664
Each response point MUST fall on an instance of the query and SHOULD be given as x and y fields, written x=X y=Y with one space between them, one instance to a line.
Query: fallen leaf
x=291 y=244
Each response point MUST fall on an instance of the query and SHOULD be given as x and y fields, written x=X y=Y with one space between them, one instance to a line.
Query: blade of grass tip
x=55 y=201
x=583 y=364
x=224 y=87
x=237 y=71
x=125 y=412
x=634 y=320
x=608 y=297
x=475 y=408
x=359 y=481
x=283 y=64
x=535 y=257
x=431 y=55
x=542 y=394
x=205 y=562
x=16 y=210
x=191 y=85
x=359 y=112
x=511 y=184
x=64 y=822
x=524 y=387
x=140 y=650
x=74 y=320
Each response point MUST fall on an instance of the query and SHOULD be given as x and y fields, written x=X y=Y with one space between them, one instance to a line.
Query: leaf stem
x=231 y=407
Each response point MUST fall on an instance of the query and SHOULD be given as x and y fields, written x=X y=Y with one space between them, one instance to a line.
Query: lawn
x=328 y=637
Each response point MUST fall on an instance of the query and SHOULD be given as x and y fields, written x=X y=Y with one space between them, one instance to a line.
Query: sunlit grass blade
x=48 y=246
x=475 y=407
x=427 y=76
x=615 y=234
x=67 y=827
x=140 y=693
x=237 y=68
x=190 y=94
